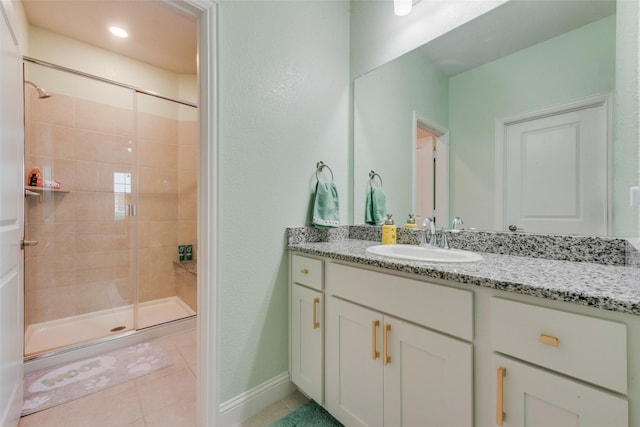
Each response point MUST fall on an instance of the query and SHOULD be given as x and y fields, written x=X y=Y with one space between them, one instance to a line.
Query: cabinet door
x=353 y=366
x=533 y=397
x=428 y=378
x=307 y=353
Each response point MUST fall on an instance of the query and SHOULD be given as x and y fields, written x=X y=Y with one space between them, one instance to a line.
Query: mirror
x=524 y=56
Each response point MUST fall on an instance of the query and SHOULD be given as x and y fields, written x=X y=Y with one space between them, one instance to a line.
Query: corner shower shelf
x=44 y=189
x=190 y=266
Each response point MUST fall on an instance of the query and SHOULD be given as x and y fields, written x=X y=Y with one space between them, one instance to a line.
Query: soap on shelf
x=389 y=231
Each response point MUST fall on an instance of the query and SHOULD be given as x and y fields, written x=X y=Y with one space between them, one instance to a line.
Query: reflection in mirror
x=545 y=54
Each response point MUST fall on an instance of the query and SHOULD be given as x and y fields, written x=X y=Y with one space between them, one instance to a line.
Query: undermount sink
x=424 y=253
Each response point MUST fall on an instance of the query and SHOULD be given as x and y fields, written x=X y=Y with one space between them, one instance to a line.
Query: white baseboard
x=249 y=403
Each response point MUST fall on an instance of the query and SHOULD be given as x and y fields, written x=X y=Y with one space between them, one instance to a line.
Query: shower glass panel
x=167 y=134
x=80 y=280
x=126 y=166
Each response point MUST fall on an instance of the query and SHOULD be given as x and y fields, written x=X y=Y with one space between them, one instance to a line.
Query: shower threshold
x=68 y=331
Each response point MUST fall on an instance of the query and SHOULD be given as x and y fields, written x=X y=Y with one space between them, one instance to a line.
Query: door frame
x=442 y=165
x=604 y=100
x=206 y=11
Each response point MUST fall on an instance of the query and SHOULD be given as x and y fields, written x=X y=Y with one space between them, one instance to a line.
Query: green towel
x=326 y=207
x=376 y=209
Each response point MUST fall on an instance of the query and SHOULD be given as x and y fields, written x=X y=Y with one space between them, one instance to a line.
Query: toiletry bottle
x=389 y=231
x=411 y=222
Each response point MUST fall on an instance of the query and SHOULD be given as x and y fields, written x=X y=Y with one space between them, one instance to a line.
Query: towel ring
x=372 y=176
x=319 y=166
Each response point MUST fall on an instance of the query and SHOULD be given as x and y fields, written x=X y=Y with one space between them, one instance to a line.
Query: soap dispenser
x=411 y=221
x=389 y=231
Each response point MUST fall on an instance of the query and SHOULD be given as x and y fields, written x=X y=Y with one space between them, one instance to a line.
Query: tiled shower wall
x=85 y=259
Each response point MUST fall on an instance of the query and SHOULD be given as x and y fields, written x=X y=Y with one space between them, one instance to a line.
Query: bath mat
x=308 y=415
x=60 y=384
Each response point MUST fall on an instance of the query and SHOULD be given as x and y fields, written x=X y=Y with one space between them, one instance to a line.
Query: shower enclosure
x=110 y=193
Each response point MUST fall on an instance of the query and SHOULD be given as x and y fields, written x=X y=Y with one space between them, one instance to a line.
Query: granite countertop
x=608 y=287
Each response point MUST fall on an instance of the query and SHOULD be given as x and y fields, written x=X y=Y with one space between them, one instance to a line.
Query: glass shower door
x=80 y=280
x=167 y=205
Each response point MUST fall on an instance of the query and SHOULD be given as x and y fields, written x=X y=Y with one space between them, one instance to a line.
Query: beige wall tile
x=157 y=155
x=158 y=180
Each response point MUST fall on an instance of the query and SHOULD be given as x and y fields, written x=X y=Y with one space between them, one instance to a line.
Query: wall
x=568 y=67
x=626 y=135
x=384 y=102
x=283 y=106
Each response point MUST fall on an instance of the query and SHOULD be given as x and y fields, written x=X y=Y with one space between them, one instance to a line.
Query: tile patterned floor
x=276 y=411
x=165 y=398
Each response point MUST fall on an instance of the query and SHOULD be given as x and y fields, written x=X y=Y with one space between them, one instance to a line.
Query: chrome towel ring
x=373 y=175
x=321 y=165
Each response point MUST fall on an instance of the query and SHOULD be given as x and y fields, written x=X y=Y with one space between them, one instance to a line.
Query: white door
x=11 y=225
x=307 y=337
x=428 y=380
x=556 y=174
x=353 y=364
x=431 y=198
x=535 y=398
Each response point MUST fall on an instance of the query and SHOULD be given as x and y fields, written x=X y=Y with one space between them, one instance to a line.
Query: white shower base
x=69 y=331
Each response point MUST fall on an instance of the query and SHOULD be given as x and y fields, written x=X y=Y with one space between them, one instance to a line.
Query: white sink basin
x=424 y=253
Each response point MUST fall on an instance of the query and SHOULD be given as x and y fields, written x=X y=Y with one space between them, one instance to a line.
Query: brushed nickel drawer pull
x=549 y=340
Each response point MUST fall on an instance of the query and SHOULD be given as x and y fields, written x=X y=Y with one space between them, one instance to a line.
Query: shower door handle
x=24 y=243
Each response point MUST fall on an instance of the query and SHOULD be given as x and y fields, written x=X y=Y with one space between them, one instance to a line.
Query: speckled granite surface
x=600 y=250
x=608 y=287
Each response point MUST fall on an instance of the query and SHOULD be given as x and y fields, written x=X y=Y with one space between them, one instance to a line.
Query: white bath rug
x=56 y=385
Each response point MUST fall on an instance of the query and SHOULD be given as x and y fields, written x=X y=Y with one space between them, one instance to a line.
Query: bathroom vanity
x=509 y=340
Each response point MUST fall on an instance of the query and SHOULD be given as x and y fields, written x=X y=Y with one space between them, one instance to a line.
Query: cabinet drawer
x=583 y=347
x=306 y=271
x=437 y=307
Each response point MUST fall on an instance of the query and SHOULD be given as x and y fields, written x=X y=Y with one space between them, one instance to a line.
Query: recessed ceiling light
x=119 y=32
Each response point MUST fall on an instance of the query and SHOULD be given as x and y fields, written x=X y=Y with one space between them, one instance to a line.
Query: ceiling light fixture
x=119 y=32
x=402 y=7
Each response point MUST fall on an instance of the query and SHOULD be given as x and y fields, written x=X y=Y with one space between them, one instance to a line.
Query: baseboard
x=249 y=403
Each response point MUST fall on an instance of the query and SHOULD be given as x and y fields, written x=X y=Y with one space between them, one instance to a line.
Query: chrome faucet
x=428 y=222
x=456 y=222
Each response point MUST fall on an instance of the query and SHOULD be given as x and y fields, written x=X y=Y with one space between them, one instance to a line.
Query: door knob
x=24 y=243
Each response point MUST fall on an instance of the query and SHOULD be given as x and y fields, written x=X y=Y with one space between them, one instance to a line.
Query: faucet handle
x=444 y=241
x=456 y=221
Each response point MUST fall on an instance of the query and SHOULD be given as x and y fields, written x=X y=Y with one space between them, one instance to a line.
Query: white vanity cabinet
x=306 y=323
x=384 y=371
x=575 y=346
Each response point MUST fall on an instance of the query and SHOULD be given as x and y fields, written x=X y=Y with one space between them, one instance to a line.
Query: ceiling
x=509 y=28
x=160 y=34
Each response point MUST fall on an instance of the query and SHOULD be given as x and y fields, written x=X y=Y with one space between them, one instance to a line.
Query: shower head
x=41 y=92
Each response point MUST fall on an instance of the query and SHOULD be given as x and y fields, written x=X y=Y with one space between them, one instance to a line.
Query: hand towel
x=376 y=209
x=326 y=207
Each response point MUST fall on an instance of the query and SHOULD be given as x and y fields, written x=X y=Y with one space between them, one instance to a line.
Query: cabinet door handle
x=316 y=302
x=549 y=340
x=304 y=271
x=385 y=344
x=500 y=415
x=374 y=345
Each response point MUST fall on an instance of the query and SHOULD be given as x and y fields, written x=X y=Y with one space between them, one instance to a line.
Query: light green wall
x=571 y=66
x=283 y=106
x=384 y=102
x=626 y=134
